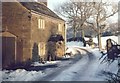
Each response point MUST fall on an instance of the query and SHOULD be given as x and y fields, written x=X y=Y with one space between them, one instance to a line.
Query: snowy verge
x=20 y=75
x=24 y=75
x=74 y=43
x=47 y=63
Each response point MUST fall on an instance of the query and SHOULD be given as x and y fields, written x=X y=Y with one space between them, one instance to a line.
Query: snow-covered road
x=84 y=66
x=87 y=68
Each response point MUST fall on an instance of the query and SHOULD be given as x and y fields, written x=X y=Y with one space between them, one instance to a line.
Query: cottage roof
x=40 y=8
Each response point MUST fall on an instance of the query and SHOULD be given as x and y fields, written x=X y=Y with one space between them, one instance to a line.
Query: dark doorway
x=8 y=51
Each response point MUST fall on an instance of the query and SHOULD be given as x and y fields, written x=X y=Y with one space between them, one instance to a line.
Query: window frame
x=41 y=23
x=60 y=27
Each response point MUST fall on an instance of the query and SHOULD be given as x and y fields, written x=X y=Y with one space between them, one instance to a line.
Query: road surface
x=87 y=68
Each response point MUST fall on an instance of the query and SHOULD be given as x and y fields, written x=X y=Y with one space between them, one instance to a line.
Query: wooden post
x=118 y=73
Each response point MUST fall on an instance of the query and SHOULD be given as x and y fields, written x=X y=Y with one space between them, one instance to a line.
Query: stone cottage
x=25 y=24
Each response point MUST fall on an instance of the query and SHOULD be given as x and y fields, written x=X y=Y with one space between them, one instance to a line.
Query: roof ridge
x=42 y=8
x=40 y=3
x=48 y=8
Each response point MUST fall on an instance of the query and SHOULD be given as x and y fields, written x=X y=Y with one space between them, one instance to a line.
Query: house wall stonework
x=16 y=20
x=42 y=35
x=23 y=23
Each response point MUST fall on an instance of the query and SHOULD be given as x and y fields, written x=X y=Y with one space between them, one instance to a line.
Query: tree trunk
x=82 y=33
x=99 y=39
x=74 y=32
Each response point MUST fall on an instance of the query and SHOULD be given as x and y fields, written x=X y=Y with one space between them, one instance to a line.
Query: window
x=41 y=23
x=60 y=27
x=42 y=48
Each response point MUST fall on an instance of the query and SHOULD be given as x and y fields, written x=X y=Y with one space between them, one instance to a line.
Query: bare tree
x=100 y=15
x=80 y=13
x=76 y=14
x=84 y=12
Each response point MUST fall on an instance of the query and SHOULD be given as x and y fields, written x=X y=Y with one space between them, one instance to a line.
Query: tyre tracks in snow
x=72 y=70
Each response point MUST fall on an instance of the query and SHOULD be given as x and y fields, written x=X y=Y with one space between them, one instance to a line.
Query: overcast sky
x=53 y=3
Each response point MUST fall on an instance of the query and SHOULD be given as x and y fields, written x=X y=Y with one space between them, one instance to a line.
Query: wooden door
x=8 y=51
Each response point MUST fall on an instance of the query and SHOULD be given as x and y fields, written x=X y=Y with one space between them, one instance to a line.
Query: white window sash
x=41 y=23
x=60 y=27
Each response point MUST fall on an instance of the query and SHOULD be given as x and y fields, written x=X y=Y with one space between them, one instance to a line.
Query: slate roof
x=40 y=8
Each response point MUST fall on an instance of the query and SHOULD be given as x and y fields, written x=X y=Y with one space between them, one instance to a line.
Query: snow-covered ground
x=20 y=75
x=74 y=43
x=24 y=75
x=88 y=68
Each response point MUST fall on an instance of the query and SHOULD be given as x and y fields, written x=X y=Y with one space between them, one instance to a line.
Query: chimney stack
x=43 y=1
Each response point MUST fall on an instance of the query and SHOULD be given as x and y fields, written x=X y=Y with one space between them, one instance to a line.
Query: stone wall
x=43 y=35
x=16 y=19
